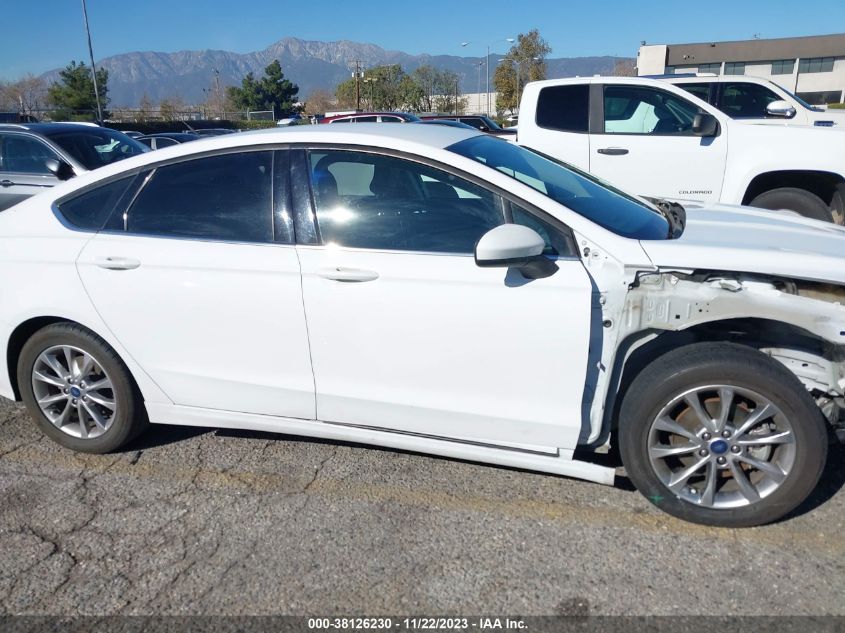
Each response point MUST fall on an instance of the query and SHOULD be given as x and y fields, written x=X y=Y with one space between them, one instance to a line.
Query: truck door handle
x=6 y=183
x=117 y=263
x=339 y=273
x=613 y=151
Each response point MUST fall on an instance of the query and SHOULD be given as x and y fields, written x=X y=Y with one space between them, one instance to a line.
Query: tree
x=24 y=96
x=319 y=102
x=74 y=94
x=171 y=109
x=145 y=109
x=524 y=62
x=271 y=92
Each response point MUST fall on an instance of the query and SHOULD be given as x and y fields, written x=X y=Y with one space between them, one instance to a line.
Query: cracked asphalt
x=197 y=521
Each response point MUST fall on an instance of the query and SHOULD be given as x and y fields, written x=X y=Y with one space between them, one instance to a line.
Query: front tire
x=78 y=390
x=720 y=434
x=801 y=201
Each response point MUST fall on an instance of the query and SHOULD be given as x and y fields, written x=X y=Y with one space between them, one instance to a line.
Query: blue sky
x=35 y=41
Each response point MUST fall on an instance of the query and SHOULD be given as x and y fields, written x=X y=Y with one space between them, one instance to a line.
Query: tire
x=837 y=205
x=705 y=372
x=801 y=201
x=99 y=416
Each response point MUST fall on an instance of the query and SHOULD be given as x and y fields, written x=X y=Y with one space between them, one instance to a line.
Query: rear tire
x=750 y=467
x=801 y=201
x=78 y=390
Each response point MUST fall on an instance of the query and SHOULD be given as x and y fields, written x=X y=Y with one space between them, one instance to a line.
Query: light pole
x=510 y=40
x=93 y=67
x=371 y=81
x=478 y=98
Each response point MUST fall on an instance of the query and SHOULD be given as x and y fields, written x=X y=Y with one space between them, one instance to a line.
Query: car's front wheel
x=721 y=434
x=78 y=390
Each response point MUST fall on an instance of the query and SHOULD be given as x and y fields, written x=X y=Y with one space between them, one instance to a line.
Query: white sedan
x=437 y=290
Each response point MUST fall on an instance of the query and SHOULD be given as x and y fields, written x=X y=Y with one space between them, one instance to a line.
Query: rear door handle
x=117 y=263
x=6 y=183
x=339 y=273
x=613 y=151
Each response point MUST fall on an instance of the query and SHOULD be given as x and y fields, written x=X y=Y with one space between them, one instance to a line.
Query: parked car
x=655 y=138
x=446 y=122
x=479 y=122
x=213 y=131
x=291 y=120
x=512 y=120
x=373 y=117
x=755 y=99
x=167 y=139
x=435 y=290
x=35 y=156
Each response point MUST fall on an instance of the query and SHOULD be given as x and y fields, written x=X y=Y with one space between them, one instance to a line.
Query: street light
x=478 y=97
x=371 y=81
x=93 y=67
x=510 y=40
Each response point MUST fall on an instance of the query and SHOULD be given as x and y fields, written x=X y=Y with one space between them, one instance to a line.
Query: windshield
x=95 y=147
x=586 y=195
x=799 y=99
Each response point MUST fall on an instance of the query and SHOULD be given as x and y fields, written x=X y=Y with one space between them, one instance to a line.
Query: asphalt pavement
x=190 y=521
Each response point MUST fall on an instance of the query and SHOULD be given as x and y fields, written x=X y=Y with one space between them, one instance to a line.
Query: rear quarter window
x=564 y=108
x=91 y=209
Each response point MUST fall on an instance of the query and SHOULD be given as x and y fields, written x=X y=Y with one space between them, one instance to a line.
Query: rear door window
x=564 y=108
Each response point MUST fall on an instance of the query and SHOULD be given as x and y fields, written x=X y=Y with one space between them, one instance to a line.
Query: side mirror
x=705 y=125
x=780 y=109
x=59 y=168
x=514 y=246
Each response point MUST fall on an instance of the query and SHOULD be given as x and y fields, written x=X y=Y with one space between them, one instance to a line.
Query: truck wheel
x=801 y=201
x=837 y=205
x=78 y=390
x=721 y=434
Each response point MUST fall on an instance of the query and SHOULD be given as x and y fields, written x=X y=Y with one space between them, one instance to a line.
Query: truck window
x=644 y=110
x=564 y=108
x=702 y=91
x=746 y=100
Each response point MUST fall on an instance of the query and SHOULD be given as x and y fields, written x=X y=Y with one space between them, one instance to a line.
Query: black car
x=166 y=139
x=478 y=121
x=34 y=156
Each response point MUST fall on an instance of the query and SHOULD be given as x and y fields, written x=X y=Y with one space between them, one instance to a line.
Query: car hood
x=742 y=239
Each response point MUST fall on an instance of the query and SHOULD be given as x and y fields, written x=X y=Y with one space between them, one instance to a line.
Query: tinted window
x=745 y=100
x=380 y=202
x=95 y=146
x=146 y=141
x=391 y=119
x=91 y=209
x=579 y=191
x=556 y=242
x=639 y=110
x=702 y=91
x=24 y=154
x=783 y=67
x=224 y=197
x=734 y=68
x=165 y=142
x=366 y=119
x=564 y=108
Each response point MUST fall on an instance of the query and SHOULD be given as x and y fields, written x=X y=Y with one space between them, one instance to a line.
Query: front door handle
x=117 y=263
x=612 y=151
x=339 y=273
x=6 y=183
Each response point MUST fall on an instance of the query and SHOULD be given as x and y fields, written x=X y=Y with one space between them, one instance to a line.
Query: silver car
x=34 y=156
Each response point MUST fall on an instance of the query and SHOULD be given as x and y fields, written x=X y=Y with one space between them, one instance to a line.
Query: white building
x=812 y=67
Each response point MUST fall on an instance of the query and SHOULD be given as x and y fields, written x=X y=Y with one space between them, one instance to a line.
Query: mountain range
x=310 y=64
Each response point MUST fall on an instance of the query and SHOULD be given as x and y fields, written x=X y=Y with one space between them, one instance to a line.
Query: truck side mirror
x=705 y=125
x=780 y=109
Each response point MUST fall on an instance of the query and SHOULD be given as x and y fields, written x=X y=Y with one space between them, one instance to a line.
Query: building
x=812 y=67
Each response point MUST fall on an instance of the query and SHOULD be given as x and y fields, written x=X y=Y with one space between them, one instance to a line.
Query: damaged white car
x=436 y=290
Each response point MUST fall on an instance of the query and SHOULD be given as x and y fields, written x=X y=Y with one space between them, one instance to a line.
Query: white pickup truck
x=656 y=139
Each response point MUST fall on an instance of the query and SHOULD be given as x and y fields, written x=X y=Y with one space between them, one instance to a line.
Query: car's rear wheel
x=720 y=434
x=801 y=201
x=78 y=390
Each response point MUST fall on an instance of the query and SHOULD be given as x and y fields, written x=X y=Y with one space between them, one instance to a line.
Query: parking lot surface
x=190 y=521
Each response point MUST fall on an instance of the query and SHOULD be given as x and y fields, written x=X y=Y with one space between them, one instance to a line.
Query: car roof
x=409 y=138
x=48 y=128
x=359 y=114
x=171 y=135
x=716 y=79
